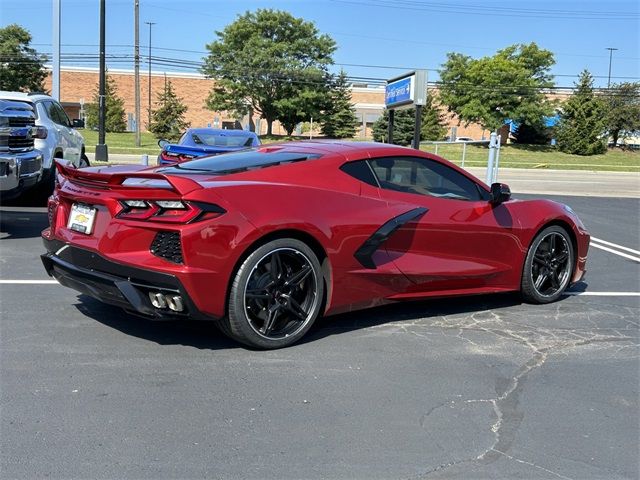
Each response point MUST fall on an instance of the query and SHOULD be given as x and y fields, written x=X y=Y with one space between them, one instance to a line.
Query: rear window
x=239 y=162
x=221 y=140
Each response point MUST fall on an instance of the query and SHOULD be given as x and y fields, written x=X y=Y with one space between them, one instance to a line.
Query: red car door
x=462 y=243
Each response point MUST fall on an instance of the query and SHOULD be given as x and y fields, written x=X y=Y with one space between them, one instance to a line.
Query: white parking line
x=28 y=282
x=619 y=247
x=611 y=250
x=605 y=294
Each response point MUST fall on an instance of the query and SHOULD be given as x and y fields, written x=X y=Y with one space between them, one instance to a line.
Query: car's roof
x=338 y=147
x=222 y=131
x=24 y=97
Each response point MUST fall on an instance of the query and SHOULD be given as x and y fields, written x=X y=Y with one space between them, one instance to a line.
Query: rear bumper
x=19 y=172
x=116 y=284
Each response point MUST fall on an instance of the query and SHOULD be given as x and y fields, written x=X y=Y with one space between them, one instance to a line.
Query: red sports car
x=264 y=241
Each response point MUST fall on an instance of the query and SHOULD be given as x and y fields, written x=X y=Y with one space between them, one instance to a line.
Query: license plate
x=81 y=218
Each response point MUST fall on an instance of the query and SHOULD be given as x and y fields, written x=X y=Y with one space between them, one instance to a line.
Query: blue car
x=201 y=142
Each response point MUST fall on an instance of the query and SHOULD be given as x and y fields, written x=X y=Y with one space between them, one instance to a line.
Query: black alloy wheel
x=276 y=295
x=549 y=266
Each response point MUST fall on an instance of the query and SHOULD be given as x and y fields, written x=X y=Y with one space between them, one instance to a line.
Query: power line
x=459 y=9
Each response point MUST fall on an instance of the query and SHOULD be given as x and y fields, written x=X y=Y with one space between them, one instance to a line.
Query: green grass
x=125 y=142
x=540 y=156
x=511 y=156
x=122 y=142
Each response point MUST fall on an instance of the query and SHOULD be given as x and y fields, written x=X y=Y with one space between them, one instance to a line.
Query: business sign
x=407 y=90
x=399 y=92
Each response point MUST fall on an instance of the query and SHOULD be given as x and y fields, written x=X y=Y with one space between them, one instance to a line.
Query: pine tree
x=433 y=124
x=167 y=122
x=339 y=119
x=433 y=127
x=581 y=130
x=114 y=109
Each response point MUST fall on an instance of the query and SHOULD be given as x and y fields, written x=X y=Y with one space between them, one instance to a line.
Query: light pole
x=136 y=65
x=102 y=153
x=610 y=58
x=151 y=24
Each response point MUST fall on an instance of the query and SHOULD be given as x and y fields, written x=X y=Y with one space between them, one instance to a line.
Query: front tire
x=548 y=267
x=276 y=295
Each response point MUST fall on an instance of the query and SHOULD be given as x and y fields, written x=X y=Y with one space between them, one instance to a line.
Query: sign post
x=407 y=91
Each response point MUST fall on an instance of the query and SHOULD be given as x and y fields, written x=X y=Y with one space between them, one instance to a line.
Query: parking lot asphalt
x=484 y=387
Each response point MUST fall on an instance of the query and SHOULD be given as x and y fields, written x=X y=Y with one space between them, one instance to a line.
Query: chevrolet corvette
x=200 y=142
x=266 y=240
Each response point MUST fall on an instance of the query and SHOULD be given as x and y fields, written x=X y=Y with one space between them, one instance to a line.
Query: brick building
x=79 y=84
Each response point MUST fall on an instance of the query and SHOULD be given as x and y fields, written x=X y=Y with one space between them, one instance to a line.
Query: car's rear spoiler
x=116 y=180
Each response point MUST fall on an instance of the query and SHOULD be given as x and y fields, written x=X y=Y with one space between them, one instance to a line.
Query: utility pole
x=151 y=24
x=102 y=153
x=610 y=58
x=136 y=62
x=55 y=72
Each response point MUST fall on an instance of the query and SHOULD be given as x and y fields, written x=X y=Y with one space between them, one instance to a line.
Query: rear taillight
x=168 y=211
x=52 y=206
x=39 y=132
x=175 y=157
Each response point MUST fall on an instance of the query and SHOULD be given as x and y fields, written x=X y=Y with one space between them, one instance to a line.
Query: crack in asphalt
x=541 y=341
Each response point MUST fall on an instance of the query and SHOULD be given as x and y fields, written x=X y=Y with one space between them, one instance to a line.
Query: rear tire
x=43 y=190
x=548 y=267
x=276 y=295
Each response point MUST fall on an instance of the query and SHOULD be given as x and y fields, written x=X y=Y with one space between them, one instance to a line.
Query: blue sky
x=371 y=34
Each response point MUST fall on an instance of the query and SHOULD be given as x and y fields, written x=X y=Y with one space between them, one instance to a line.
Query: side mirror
x=162 y=143
x=500 y=192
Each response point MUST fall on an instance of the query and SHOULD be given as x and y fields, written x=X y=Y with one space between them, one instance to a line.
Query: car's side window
x=361 y=171
x=51 y=112
x=61 y=115
x=55 y=113
x=422 y=176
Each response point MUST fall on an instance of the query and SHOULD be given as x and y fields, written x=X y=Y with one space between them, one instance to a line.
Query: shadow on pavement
x=22 y=222
x=408 y=311
x=204 y=335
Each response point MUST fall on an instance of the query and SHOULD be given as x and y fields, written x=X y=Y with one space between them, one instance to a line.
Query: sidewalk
x=521 y=180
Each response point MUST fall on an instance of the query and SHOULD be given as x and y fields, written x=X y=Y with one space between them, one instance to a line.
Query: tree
x=21 y=68
x=167 y=121
x=339 y=119
x=114 y=109
x=533 y=134
x=490 y=90
x=433 y=122
x=582 y=126
x=622 y=102
x=404 y=124
x=263 y=59
x=304 y=102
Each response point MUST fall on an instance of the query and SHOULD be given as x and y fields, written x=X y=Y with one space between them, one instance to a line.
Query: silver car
x=58 y=139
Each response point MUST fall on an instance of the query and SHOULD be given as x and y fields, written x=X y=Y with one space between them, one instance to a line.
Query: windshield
x=239 y=162
x=221 y=140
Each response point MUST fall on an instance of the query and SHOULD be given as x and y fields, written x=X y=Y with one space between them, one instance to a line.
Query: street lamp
x=151 y=24
x=610 y=57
